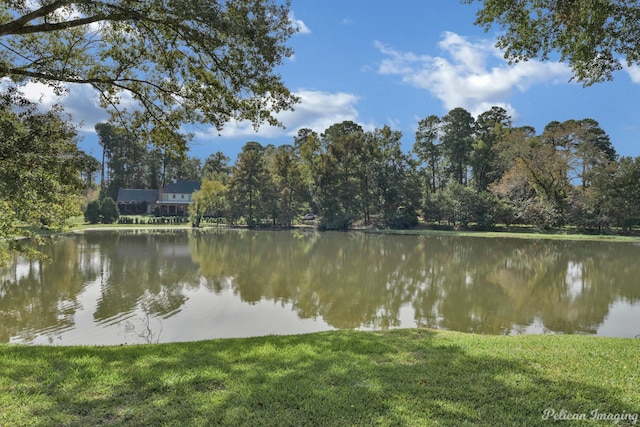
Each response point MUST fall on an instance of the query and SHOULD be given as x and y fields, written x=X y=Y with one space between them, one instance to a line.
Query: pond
x=140 y=286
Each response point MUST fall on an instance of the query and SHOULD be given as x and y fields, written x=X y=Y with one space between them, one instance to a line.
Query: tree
x=92 y=214
x=457 y=139
x=615 y=194
x=40 y=166
x=536 y=182
x=307 y=147
x=490 y=127
x=89 y=166
x=396 y=187
x=592 y=36
x=286 y=176
x=211 y=198
x=183 y=168
x=338 y=175
x=109 y=212
x=123 y=153
x=188 y=61
x=594 y=149
x=427 y=150
x=248 y=180
x=216 y=166
x=582 y=144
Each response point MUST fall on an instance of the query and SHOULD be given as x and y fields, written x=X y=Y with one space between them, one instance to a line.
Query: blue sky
x=380 y=63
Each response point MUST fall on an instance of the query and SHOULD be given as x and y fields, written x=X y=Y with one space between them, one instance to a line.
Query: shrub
x=109 y=211
x=92 y=213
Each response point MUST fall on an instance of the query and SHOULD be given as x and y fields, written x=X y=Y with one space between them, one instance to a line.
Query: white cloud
x=634 y=73
x=470 y=75
x=38 y=93
x=299 y=24
x=81 y=102
x=317 y=110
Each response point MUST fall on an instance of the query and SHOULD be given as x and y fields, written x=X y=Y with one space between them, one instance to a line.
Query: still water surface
x=136 y=287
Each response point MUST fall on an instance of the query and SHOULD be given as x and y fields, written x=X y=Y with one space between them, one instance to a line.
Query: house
x=135 y=201
x=171 y=200
x=175 y=198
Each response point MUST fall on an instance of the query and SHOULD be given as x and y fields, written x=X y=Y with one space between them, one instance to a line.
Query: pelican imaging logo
x=594 y=415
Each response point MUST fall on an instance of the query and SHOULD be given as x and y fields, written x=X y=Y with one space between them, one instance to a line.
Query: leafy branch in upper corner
x=156 y=65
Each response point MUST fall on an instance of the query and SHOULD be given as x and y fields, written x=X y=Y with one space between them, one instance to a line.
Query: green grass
x=556 y=235
x=402 y=377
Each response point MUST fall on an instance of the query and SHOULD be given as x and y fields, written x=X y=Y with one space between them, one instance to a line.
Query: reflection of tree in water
x=467 y=284
x=39 y=295
x=347 y=279
x=508 y=284
x=132 y=269
x=339 y=277
x=147 y=270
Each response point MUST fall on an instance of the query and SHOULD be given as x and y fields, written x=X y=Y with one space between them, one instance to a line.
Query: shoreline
x=410 y=232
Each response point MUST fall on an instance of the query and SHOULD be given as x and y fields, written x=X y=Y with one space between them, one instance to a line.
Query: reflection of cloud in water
x=208 y=316
x=574 y=279
x=623 y=320
x=21 y=270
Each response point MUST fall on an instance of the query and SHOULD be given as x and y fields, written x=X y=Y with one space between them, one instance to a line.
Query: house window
x=182 y=196
x=174 y=196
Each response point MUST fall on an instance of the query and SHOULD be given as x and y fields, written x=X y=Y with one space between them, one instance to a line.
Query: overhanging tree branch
x=220 y=62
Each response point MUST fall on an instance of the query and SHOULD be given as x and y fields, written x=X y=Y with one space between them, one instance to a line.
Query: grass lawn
x=78 y=225
x=554 y=235
x=402 y=377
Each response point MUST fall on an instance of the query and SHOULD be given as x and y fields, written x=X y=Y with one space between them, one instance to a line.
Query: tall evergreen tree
x=457 y=139
x=249 y=179
x=428 y=150
x=489 y=128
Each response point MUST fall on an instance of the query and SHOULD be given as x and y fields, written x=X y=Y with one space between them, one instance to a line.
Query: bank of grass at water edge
x=400 y=377
x=559 y=235
x=77 y=225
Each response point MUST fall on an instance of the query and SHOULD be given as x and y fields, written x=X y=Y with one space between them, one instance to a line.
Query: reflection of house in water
x=172 y=200
x=176 y=250
x=173 y=247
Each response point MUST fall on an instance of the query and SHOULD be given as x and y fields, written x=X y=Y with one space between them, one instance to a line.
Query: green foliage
x=209 y=200
x=188 y=61
x=124 y=159
x=614 y=196
x=498 y=175
x=339 y=174
x=216 y=166
x=92 y=213
x=249 y=186
x=457 y=142
x=489 y=129
x=288 y=185
x=109 y=212
x=459 y=204
x=396 y=189
x=428 y=151
x=594 y=37
x=40 y=167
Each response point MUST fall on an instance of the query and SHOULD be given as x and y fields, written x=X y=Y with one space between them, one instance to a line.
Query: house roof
x=186 y=187
x=129 y=195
